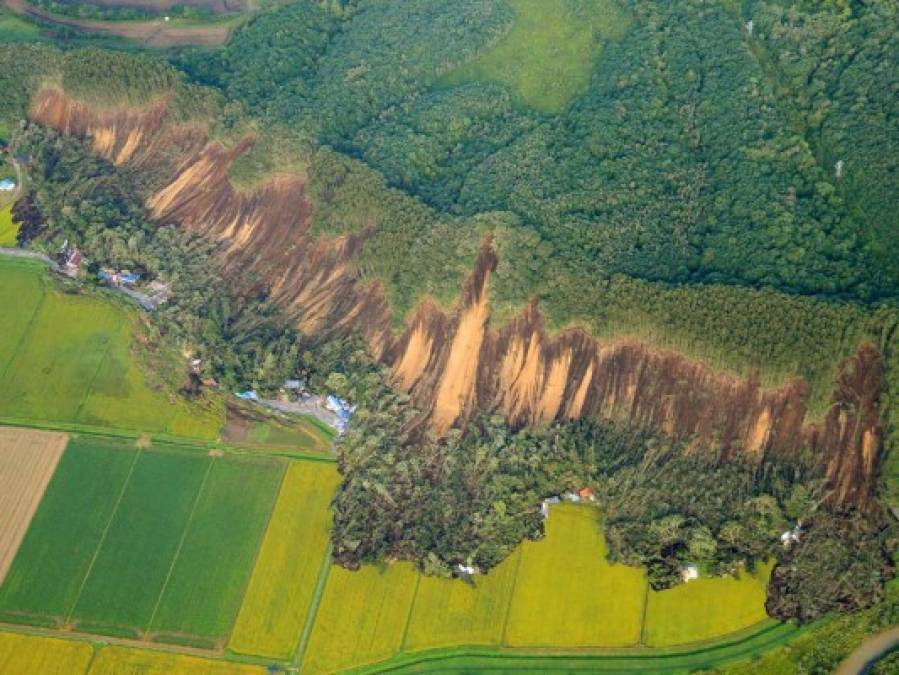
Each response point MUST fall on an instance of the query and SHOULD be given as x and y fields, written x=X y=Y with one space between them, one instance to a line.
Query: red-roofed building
x=586 y=495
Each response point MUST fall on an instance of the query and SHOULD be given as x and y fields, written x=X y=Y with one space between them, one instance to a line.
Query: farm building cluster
x=294 y=399
x=149 y=293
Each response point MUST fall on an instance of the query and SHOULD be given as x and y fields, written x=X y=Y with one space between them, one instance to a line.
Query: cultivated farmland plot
x=27 y=461
x=66 y=358
x=142 y=543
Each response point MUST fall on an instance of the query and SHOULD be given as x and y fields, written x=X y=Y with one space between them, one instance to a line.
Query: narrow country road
x=860 y=661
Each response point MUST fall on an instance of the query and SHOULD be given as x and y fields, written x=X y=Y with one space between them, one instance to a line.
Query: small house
x=544 y=509
x=293 y=385
x=586 y=494
x=7 y=185
x=248 y=395
x=74 y=259
x=791 y=537
x=689 y=573
x=571 y=497
x=468 y=570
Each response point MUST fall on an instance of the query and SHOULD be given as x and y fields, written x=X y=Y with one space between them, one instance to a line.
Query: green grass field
x=16 y=29
x=283 y=584
x=362 y=617
x=209 y=577
x=547 y=57
x=143 y=538
x=8 y=229
x=312 y=436
x=68 y=358
x=568 y=595
x=125 y=538
x=56 y=553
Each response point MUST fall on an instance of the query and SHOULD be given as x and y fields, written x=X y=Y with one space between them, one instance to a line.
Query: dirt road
x=152 y=33
x=872 y=649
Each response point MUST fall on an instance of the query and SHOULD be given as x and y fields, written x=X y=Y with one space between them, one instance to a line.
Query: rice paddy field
x=548 y=55
x=48 y=656
x=67 y=358
x=284 y=582
x=170 y=545
x=8 y=229
x=132 y=540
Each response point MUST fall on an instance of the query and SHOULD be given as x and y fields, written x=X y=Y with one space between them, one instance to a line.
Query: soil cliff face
x=452 y=363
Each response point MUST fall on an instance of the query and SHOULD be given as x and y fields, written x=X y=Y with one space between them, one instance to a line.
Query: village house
x=689 y=573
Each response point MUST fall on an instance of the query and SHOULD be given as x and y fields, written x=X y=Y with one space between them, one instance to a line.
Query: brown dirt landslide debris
x=451 y=362
x=28 y=459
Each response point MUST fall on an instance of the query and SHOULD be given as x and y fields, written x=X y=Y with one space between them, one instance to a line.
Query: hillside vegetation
x=707 y=185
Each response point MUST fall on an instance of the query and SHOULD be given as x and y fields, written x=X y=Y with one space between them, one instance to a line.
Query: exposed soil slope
x=452 y=363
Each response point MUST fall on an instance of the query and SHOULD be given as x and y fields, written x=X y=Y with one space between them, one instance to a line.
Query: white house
x=7 y=185
x=689 y=573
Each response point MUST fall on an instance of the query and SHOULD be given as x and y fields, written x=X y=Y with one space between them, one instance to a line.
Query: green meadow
x=46 y=575
x=143 y=538
x=208 y=579
x=548 y=55
x=68 y=357
x=127 y=540
x=8 y=229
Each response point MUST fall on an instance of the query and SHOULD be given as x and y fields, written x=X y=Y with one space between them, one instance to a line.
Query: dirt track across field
x=152 y=33
x=28 y=459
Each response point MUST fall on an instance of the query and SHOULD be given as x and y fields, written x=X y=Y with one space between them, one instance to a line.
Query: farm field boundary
x=20 y=643
x=481 y=659
x=120 y=525
x=27 y=462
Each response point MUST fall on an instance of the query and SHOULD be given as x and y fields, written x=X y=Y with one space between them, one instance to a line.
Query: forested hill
x=699 y=141
x=655 y=239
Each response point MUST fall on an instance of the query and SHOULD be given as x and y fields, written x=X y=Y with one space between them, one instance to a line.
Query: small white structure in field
x=791 y=537
x=7 y=185
x=468 y=569
x=689 y=573
x=571 y=497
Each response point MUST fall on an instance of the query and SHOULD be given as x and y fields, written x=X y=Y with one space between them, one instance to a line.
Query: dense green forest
x=720 y=179
x=688 y=157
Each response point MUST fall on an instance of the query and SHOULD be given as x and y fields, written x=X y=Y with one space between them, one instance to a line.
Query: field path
x=153 y=32
x=28 y=459
x=869 y=652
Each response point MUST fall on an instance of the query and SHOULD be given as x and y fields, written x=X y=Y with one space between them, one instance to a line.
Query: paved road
x=862 y=659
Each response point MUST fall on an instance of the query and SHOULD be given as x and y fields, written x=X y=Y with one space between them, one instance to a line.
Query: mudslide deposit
x=452 y=363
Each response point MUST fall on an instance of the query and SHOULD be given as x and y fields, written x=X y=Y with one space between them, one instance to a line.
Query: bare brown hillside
x=452 y=363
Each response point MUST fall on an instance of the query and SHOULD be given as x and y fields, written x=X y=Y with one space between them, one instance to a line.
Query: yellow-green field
x=547 y=56
x=8 y=229
x=362 y=617
x=69 y=358
x=705 y=608
x=27 y=654
x=568 y=595
x=283 y=583
x=447 y=612
x=126 y=661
